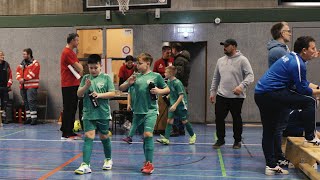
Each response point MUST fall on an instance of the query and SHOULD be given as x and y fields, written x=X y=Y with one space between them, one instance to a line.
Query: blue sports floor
x=36 y=152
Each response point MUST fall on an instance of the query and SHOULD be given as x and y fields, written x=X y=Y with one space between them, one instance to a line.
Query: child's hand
x=95 y=94
x=129 y=107
x=88 y=83
x=154 y=90
x=172 y=108
x=132 y=79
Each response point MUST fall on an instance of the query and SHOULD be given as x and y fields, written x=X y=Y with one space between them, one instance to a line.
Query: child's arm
x=163 y=91
x=174 y=106
x=124 y=86
x=84 y=88
x=129 y=102
x=107 y=95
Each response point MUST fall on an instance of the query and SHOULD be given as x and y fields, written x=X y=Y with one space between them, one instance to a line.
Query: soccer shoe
x=276 y=170
x=83 y=169
x=283 y=163
x=107 y=164
x=163 y=140
x=148 y=168
x=193 y=139
x=218 y=144
x=127 y=140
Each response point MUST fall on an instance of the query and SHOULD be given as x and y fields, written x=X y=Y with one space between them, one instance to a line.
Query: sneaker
x=236 y=145
x=107 y=164
x=283 y=163
x=148 y=168
x=163 y=140
x=276 y=170
x=83 y=169
x=70 y=138
x=193 y=139
x=127 y=140
x=218 y=144
x=315 y=142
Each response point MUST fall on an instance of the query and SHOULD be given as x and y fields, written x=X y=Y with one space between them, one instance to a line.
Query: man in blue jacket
x=284 y=86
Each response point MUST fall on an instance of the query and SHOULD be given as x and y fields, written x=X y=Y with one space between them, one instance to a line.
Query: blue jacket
x=287 y=72
x=276 y=51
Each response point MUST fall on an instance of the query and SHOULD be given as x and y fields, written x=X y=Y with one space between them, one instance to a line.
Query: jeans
x=30 y=99
x=4 y=97
x=274 y=107
x=222 y=108
x=70 y=103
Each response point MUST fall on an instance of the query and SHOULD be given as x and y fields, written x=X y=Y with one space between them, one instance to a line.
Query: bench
x=305 y=158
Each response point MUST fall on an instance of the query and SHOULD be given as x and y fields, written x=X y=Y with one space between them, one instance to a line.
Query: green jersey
x=100 y=84
x=177 y=88
x=143 y=103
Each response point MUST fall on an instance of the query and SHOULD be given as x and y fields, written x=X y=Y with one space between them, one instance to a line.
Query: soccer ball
x=77 y=126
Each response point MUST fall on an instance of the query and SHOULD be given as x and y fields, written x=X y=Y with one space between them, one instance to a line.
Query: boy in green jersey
x=178 y=106
x=147 y=85
x=96 y=89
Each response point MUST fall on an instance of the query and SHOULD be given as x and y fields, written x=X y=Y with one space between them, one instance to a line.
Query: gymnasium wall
x=48 y=42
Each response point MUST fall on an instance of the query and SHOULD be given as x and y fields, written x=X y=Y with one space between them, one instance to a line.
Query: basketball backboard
x=100 y=5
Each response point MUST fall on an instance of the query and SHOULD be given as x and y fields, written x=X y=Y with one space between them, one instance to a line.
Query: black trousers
x=70 y=103
x=273 y=108
x=222 y=107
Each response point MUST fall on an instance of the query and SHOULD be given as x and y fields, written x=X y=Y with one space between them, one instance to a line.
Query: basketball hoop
x=123 y=6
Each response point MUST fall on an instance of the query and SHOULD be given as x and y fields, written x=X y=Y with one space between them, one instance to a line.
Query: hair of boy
x=129 y=58
x=28 y=51
x=177 y=46
x=94 y=59
x=302 y=42
x=172 y=70
x=71 y=37
x=276 y=29
x=146 y=57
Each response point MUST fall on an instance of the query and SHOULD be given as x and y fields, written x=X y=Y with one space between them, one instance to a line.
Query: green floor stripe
x=223 y=169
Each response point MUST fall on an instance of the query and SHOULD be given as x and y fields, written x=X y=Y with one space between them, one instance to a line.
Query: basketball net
x=123 y=6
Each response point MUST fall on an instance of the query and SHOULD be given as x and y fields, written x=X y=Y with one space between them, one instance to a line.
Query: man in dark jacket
x=5 y=85
x=182 y=63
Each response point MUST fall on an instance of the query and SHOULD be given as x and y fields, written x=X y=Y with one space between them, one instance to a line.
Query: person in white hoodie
x=232 y=76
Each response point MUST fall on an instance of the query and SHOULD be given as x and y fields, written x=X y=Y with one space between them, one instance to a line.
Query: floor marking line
x=11 y=133
x=60 y=167
x=223 y=169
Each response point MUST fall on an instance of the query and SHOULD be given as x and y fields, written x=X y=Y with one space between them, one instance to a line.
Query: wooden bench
x=305 y=158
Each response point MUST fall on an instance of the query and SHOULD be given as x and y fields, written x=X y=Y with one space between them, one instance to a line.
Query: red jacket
x=30 y=75
x=160 y=67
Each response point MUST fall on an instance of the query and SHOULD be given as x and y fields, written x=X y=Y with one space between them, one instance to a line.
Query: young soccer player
x=96 y=88
x=131 y=97
x=146 y=85
x=178 y=106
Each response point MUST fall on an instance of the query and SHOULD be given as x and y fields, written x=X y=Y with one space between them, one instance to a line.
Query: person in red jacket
x=126 y=70
x=5 y=85
x=166 y=60
x=28 y=76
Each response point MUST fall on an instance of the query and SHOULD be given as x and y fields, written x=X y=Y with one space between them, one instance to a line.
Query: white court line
x=48 y=140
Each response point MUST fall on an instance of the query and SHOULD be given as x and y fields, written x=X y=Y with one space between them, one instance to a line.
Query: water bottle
x=93 y=100
x=153 y=96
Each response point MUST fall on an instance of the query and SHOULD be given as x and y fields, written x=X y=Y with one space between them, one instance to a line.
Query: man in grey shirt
x=232 y=75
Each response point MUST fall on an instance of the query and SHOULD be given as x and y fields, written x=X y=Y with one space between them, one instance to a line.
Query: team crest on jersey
x=100 y=85
x=160 y=66
x=285 y=59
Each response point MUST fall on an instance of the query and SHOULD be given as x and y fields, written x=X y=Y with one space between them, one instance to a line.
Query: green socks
x=189 y=128
x=149 y=147
x=87 y=149
x=107 y=147
x=168 y=131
